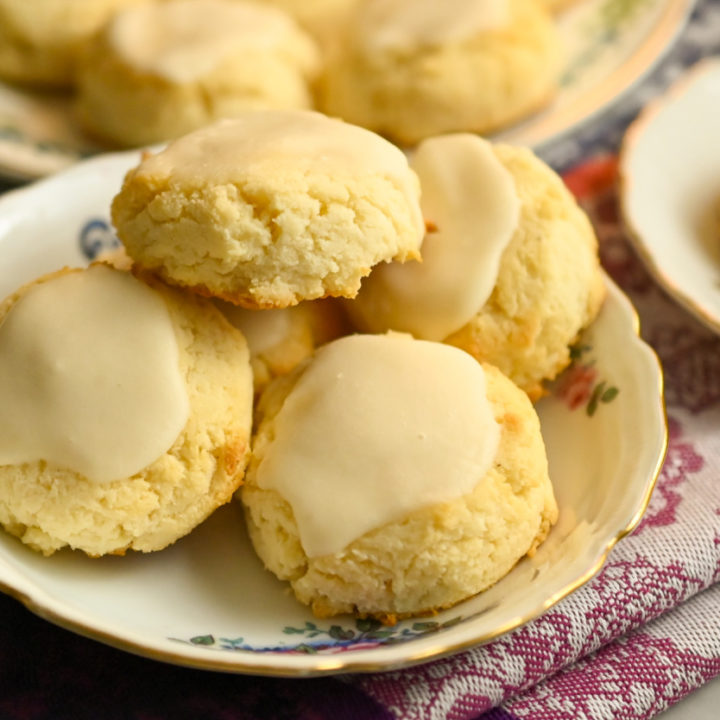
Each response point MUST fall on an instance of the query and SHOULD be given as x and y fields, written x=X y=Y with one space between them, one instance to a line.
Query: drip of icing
x=378 y=426
x=263 y=329
x=187 y=39
x=267 y=141
x=407 y=24
x=90 y=376
x=471 y=202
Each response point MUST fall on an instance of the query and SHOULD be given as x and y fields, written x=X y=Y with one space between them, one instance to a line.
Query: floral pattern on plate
x=367 y=633
x=580 y=385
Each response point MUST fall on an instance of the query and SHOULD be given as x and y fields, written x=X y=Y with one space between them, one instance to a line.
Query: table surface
x=701 y=705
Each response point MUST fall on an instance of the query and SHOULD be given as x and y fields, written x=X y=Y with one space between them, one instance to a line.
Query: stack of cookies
x=389 y=321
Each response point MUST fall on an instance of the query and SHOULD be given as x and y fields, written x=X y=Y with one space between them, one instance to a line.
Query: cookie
x=158 y=71
x=375 y=492
x=558 y=6
x=510 y=269
x=321 y=18
x=40 y=40
x=270 y=208
x=410 y=69
x=126 y=412
x=280 y=339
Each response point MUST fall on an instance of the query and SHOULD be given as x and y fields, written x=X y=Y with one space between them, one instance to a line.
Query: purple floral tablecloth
x=636 y=639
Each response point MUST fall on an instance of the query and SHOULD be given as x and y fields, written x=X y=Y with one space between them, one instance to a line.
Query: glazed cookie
x=126 y=412
x=160 y=70
x=342 y=496
x=271 y=208
x=410 y=69
x=40 y=39
x=280 y=339
x=510 y=272
x=558 y=6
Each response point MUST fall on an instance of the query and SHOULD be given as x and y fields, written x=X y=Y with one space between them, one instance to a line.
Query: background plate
x=670 y=192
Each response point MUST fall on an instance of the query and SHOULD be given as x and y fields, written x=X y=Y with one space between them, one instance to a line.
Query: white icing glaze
x=471 y=198
x=378 y=426
x=270 y=141
x=263 y=329
x=408 y=24
x=89 y=376
x=182 y=40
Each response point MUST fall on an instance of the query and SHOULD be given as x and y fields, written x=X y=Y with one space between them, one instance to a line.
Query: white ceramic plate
x=670 y=169
x=610 y=46
x=207 y=602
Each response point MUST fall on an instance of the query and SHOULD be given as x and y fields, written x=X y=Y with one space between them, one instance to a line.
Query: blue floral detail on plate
x=367 y=633
x=602 y=31
x=96 y=237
